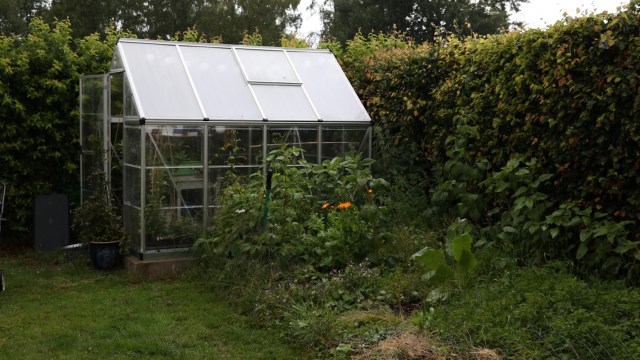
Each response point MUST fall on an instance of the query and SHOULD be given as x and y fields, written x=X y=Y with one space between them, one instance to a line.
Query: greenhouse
x=173 y=118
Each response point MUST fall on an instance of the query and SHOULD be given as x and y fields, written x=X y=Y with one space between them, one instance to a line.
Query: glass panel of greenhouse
x=182 y=117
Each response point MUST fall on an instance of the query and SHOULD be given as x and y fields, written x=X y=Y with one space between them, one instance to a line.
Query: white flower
x=240 y=211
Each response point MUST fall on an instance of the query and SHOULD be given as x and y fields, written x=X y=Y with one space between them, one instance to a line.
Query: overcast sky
x=535 y=13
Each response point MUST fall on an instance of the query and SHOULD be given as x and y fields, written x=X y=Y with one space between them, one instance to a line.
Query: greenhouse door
x=95 y=157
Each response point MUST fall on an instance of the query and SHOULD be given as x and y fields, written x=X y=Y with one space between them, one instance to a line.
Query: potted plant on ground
x=96 y=222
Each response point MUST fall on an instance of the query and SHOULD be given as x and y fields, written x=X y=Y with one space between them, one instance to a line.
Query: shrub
x=39 y=75
x=321 y=215
x=561 y=100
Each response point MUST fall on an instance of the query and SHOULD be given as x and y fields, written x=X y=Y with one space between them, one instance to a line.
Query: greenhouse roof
x=193 y=81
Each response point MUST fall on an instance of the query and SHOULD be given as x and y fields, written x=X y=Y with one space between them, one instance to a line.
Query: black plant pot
x=105 y=255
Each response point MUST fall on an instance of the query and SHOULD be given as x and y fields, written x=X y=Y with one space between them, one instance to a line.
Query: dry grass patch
x=411 y=345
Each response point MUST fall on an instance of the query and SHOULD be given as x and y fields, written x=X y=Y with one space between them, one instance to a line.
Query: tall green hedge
x=39 y=75
x=567 y=97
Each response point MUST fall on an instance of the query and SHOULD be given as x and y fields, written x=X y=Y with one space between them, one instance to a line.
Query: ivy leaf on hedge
x=626 y=246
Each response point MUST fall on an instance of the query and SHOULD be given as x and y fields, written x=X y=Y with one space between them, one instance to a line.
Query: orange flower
x=344 y=205
x=325 y=205
x=370 y=191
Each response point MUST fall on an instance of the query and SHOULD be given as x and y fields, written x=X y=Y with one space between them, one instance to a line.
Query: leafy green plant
x=532 y=227
x=441 y=271
x=457 y=192
x=39 y=93
x=563 y=96
x=521 y=207
x=97 y=219
x=422 y=318
x=302 y=224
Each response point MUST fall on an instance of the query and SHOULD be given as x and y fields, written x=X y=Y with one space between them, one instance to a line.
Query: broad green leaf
x=461 y=243
x=529 y=203
x=602 y=230
x=501 y=186
x=585 y=234
x=574 y=222
x=626 y=246
x=443 y=273
x=467 y=261
x=544 y=177
x=430 y=258
x=521 y=191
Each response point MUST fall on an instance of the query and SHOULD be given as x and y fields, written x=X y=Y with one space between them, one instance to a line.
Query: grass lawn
x=69 y=311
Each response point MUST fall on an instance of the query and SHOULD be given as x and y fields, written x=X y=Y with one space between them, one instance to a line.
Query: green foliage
x=324 y=215
x=461 y=246
x=433 y=260
x=543 y=313
x=521 y=208
x=158 y=19
x=558 y=106
x=38 y=118
x=422 y=20
x=291 y=41
x=531 y=227
x=98 y=219
x=254 y=38
x=233 y=19
x=440 y=270
x=15 y=15
x=457 y=191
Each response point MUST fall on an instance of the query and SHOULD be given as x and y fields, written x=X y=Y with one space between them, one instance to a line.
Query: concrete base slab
x=158 y=268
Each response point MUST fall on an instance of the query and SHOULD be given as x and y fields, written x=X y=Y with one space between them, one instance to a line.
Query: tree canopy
x=228 y=20
x=420 y=19
x=16 y=14
x=231 y=19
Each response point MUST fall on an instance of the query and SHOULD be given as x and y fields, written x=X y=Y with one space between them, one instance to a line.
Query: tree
x=228 y=19
x=16 y=14
x=420 y=19
x=86 y=16
x=163 y=18
x=39 y=113
x=231 y=19
x=146 y=18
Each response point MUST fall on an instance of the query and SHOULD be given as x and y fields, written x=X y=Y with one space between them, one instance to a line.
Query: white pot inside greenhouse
x=173 y=118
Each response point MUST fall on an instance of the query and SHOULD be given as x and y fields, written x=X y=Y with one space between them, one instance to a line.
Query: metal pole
x=143 y=190
x=205 y=179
